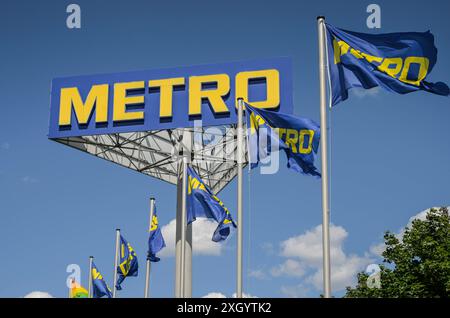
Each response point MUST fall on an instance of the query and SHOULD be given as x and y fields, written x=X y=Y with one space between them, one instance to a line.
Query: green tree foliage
x=416 y=265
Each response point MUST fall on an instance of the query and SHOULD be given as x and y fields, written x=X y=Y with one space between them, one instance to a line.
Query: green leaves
x=417 y=261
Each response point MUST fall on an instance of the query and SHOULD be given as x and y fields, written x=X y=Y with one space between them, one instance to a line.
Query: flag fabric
x=155 y=240
x=77 y=291
x=100 y=288
x=201 y=202
x=269 y=131
x=128 y=263
x=397 y=62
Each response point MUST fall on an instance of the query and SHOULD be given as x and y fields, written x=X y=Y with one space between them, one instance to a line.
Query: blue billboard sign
x=167 y=98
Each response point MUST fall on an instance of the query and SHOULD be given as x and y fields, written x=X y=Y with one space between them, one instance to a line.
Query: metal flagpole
x=116 y=261
x=147 y=272
x=324 y=154
x=183 y=228
x=91 y=259
x=183 y=272
x=239 y=195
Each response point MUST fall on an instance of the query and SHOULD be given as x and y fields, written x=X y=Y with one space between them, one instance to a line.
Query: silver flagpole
x=91 y=259
x=183 y=228
x=116 y=261
x=239 y=195
x=324 y=155
x=148 y=267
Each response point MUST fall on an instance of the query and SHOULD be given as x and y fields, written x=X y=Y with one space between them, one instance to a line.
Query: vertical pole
x=186 y=269
x=188 y=262
x=148 y=264
x=116 y=261
x=178 y=232
x=239 y=197
x=183 y=228
x=324 y=155
x=91 y=259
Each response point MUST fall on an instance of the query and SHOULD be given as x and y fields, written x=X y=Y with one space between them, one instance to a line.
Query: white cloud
x=268 y=248
x=419 y=216
x=289 y=268
x=308 y=247
x=220 y=295
x=304 y=259
x=296 y=291
x=378 y=248
x=214 y=295
x=342 y=274
x=202 y=231
x=303 y=255
x=244 y=295
x=257 y=273
x=38 y=294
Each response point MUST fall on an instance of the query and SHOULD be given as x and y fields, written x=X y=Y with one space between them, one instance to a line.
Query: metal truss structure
x=157 y=153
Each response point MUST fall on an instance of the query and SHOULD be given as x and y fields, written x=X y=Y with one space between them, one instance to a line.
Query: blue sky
x=390 y=153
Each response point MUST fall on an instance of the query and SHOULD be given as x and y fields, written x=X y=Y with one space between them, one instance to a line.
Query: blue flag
x=99 y=285
x=269 y=131
x=398 y=62
x=128 y=263
x=201 y=202
x=155 y=239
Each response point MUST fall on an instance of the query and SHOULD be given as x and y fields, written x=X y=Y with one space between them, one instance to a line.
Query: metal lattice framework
x=156 y=153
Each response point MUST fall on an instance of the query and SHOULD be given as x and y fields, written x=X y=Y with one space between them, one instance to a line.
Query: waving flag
x=201 y=202
x=100 y=287
x=128 y=263
x=155 y=240
x=398 y=62
x=269 y=131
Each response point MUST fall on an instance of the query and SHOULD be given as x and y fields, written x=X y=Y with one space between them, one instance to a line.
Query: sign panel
x=167 y=98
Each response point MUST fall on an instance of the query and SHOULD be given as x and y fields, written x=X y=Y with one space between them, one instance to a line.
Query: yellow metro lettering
x=303 y=133
x=291 y=139
x=121 y=101
x=391 y=66
x=166 y=92
x=70 y=96
x=272 y=78
x=280 y=132
x=371 y=58
x=97 y=105
x=215 y=96
x=423 y=69
x=385 y=67
x=96 y=274
x=356 y=53
x=154 y=224
x=339 y=48
x=255 y=122
x=194 y=184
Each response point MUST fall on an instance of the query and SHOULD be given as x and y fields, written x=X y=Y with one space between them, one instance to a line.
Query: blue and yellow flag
x=100 y=288
x=398 y=62
x=128 y=263
x=201 y=202
x=269 y=131
x=155 y=240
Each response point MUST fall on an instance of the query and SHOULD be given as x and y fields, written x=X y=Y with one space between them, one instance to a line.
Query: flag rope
x=330 y=101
